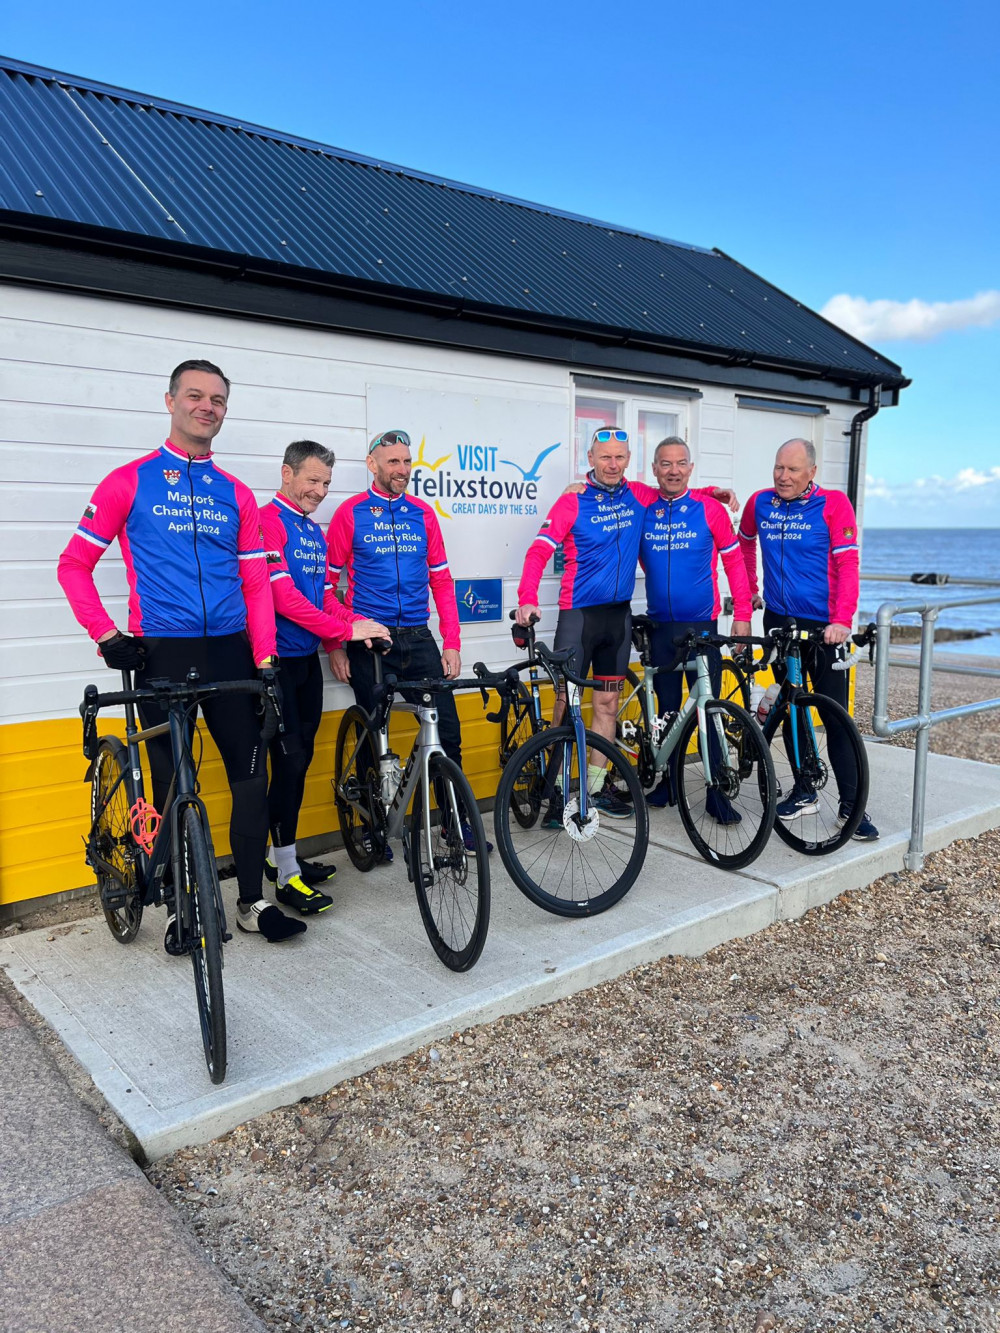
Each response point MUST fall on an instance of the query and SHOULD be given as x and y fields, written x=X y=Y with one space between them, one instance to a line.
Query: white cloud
x=927 y=492
x=874 y=321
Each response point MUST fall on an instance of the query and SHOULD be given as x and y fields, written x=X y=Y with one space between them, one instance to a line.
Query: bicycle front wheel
x=525 y=807
x=727 y=809
x=565 y=864
x=357 y=790
x=821 y=770
x=449 y=864
x=735 y=688
x=111 y=840
x=198 y=910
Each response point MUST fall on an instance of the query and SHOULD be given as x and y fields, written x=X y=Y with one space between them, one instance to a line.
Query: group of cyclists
x=228 y=589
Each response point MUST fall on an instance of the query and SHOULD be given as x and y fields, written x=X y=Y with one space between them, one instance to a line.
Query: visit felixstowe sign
x=489 y=467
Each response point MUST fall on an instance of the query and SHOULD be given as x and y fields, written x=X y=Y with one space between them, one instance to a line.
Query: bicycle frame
x=698 y=696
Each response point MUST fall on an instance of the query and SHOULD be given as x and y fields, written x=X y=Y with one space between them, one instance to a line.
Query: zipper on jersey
x=197 y=557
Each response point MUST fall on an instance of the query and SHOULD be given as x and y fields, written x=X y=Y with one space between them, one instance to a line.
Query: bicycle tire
x=452 y=884
x=111 y=839
x=570 y=870
x=198 y=903
x=734 y=687
x=357 y=790
x=819 y=831
x=526 y=726
x=637 y=745
x=743 y=784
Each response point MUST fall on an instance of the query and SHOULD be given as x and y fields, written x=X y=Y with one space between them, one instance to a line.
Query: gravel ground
x=798 y=1131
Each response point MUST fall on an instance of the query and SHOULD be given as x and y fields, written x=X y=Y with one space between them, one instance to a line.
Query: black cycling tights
x=234 y=724
x=292 y=750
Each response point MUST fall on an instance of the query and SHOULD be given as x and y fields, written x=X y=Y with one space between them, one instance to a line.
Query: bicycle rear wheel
x=810 y=781
x=632 y=730
x=449 y=864
x=111 y=840
x=198 y=912
x=728 y=810
x=735 y=688
x=357 y=790
x=565 y=865
x=525 y=808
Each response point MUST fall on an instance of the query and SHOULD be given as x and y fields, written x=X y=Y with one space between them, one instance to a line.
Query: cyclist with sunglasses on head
x=599 y=525
x=390 y=545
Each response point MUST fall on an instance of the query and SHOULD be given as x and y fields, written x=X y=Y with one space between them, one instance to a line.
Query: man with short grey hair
x=307 y=613
x=809 y=555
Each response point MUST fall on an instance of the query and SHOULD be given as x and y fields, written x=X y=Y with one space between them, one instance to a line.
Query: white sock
x=286 y=859
x=595 y=778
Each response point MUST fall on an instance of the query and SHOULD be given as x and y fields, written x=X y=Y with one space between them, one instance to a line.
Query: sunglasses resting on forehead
x=390 y=437
x=606 y=434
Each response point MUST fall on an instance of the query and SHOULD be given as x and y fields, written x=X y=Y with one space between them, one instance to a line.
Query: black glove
x=270 y=702
x=122 y=653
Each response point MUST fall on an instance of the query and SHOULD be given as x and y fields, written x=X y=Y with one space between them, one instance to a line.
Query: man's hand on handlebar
x=740 y=628
x=368 y=630
x=451 y=659
x=527 y=614
x=835 y=633
x=121 y=652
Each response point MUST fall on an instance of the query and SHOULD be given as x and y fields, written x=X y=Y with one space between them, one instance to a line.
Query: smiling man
x=307 y=614
x=190 y=538
x=809 y=556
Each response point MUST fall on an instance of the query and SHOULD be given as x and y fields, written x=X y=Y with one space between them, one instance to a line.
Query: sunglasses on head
x=390 y=437
x=605 y=436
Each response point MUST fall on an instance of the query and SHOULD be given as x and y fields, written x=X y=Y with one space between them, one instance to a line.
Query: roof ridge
x=169 y=106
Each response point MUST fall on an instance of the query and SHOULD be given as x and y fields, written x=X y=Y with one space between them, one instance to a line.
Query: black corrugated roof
x=115 y=163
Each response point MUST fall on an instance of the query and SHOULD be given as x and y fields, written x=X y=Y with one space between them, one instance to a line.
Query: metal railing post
x=914 y=858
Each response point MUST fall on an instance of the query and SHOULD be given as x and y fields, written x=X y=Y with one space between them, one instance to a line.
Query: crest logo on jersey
x=90 y=511
x=171 y=475
x=775 y=501
x=848 y=532
x=378 y=511
x=660 y=513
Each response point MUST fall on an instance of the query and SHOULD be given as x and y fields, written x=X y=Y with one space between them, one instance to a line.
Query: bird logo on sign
x=532 y=473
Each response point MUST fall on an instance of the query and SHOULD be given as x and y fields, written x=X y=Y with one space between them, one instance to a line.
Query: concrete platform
x=363 y=986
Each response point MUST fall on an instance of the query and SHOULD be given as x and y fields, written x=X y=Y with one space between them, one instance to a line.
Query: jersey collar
x=382 y=498
x=809 y=491
x=171 y=450
x=672 y=499
x=600 y=486
x=283 y=502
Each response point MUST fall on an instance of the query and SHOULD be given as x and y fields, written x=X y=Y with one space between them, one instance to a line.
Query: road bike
x=560 y=849
x=444 y=842
x=819 y=757
x=520 y=713
x=712 y=753
x=143 y=857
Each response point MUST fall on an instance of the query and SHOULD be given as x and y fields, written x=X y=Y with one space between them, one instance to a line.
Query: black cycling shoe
x=310 y=872
x=300 y=895
x=263 y=918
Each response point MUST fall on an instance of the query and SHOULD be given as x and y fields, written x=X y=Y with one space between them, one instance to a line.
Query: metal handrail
x=924 y=719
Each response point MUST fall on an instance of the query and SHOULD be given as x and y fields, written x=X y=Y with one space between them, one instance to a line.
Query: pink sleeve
x=329 y=623
x=732 y=559
x=442 y=584
x=844 y=561
x=748 y=542
x=560 y=520
x=253 y=573
x=643 y=493
x=339 y=543
x=103 y=520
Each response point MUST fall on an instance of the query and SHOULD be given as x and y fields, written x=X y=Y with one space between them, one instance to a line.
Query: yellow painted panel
x=44 y=800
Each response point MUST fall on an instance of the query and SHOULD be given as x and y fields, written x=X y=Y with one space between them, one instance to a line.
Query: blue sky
x=838 y=151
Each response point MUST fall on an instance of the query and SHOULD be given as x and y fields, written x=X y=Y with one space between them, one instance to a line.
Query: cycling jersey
x=682 y=537
x=307 y=612
x=392 y=549
x=189 y=535
x=600 y=530
x=809 y=553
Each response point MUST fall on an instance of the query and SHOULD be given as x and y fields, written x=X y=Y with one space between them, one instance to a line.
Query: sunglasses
x=606 y=436
x=390 y=437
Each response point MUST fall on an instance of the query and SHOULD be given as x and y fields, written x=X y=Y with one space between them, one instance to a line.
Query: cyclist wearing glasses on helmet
x=599 y=524
x=390 y=544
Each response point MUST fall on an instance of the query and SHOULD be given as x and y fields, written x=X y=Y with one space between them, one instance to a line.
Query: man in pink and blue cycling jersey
x=684 y=533
x=189 y=535
x=809 y=556
x=307 y=613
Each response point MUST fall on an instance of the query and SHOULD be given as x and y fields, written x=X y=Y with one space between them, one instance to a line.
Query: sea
x=959 y=553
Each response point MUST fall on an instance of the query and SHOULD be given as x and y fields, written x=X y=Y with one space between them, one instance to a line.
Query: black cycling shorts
x=601 y=637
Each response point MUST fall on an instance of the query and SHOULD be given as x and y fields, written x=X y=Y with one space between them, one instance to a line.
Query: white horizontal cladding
x=82 y=381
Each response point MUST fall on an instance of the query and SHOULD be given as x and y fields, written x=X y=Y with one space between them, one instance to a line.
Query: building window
x=646 y=422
